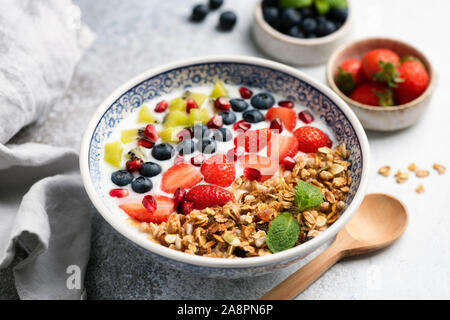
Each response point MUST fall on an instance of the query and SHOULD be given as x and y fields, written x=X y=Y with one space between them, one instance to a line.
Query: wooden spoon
x=379 y=221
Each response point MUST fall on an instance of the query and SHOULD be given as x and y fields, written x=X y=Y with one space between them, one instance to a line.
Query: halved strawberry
x=287 y=116
x=287 y=147
x=254 y=140
x=266 y=166
x=206 y=195
x=218 y=170
x=311 y=138
x=164 y=208
x=181 y=175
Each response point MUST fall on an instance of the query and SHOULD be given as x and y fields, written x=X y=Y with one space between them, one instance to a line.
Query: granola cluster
x=239 y=229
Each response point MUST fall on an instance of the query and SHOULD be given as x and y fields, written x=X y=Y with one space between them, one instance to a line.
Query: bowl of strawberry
x=301 y=32
x=387 y=82
x=217 y=166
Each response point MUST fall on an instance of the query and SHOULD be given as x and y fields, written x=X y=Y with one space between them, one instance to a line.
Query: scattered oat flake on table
x=420 y=189
x=422 y=173
x=385 y=171
x=412 y=167
x=439 y=168
x=401 y=176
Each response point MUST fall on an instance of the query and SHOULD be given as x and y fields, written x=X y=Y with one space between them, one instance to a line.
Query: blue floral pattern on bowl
x=234 y=73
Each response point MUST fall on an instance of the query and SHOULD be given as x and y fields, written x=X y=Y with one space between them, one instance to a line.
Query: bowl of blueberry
x=301 y=32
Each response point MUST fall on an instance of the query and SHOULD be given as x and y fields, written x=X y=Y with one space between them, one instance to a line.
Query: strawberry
x=382 y=65
x=181 y=175
x=287 y=116
x=264 y=165
x=350 y=74
x=416 y=80
x=253 y=140
x=373 y=94
x=164 y=208
x=218 y=170
x=206 y=195
x=287 y=147
x=310 y=139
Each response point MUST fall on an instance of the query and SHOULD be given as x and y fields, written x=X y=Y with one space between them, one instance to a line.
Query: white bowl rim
x=259 y=18
x=295 y=252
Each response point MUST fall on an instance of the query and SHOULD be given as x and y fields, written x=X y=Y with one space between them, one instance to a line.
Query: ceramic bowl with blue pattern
x=242 y=71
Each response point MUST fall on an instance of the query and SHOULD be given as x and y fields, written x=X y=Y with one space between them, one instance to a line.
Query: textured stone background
x=136 y=35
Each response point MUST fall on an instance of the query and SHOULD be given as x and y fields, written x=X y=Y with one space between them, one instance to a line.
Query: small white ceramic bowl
x=383 y=118
x=295 y=51
x=252 y=72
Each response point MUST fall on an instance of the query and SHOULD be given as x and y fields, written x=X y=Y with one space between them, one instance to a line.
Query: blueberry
x=253 y=116
x=321 y=19
x=227 y=20
x=238 y=105
x=121 y=178
x=307 y=12
x=263 y=101
x=290 y=17
x=199 y=130
x=199 y=12
x=325 y=28
x=228 y=117
x=296 y=32
x=141 y=185
x=311 y=36
x=150 y=169
x=207 y=145
x=163 y=151
x=215 y=4
x=225 y=135
x=271 y=15
x=338 y=14
x=186 y=147
x=309 y=25
x=271 y=3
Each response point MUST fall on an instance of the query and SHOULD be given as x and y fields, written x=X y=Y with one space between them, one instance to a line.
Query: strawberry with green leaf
x=416 y=80
x=351 y=74
x=373 y=94
x=382 y=65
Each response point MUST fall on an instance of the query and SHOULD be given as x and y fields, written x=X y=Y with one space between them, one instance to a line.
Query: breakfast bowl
x=254 y=73
x=377 y=118
x=294 y=50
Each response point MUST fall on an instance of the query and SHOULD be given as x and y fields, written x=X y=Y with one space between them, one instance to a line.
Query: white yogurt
x=222 y=147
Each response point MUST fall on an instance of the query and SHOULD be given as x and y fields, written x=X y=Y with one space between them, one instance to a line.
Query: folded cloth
x=43 y=208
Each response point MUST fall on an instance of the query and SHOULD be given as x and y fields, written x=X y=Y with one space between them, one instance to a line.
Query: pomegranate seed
x=286 y=104
x=235 y=153
x=306 y=116
x=276 y=125
x=242 y=125
x=161 y=106
x=215 y=122
x=178 y=159
x=198 y=160
x=149 y=203
x=150 y=133
x=252 y=174
x=245 y=93
x=118 y=193
x=134 y=165
x=288 y=163
x=191 y=104
x=185 y=134
x=222 y=103
x=187 y=207
x=178 y=196
x=145 y=143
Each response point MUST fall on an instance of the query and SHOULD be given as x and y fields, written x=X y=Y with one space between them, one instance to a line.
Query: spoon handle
x=302 y=278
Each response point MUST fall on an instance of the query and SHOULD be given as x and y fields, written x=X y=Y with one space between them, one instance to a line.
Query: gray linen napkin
x=43 y=207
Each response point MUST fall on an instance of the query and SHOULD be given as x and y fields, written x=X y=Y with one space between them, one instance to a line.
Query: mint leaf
x=283 y=232
x=307 y=196
x=323 y=6
x=296 y=3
